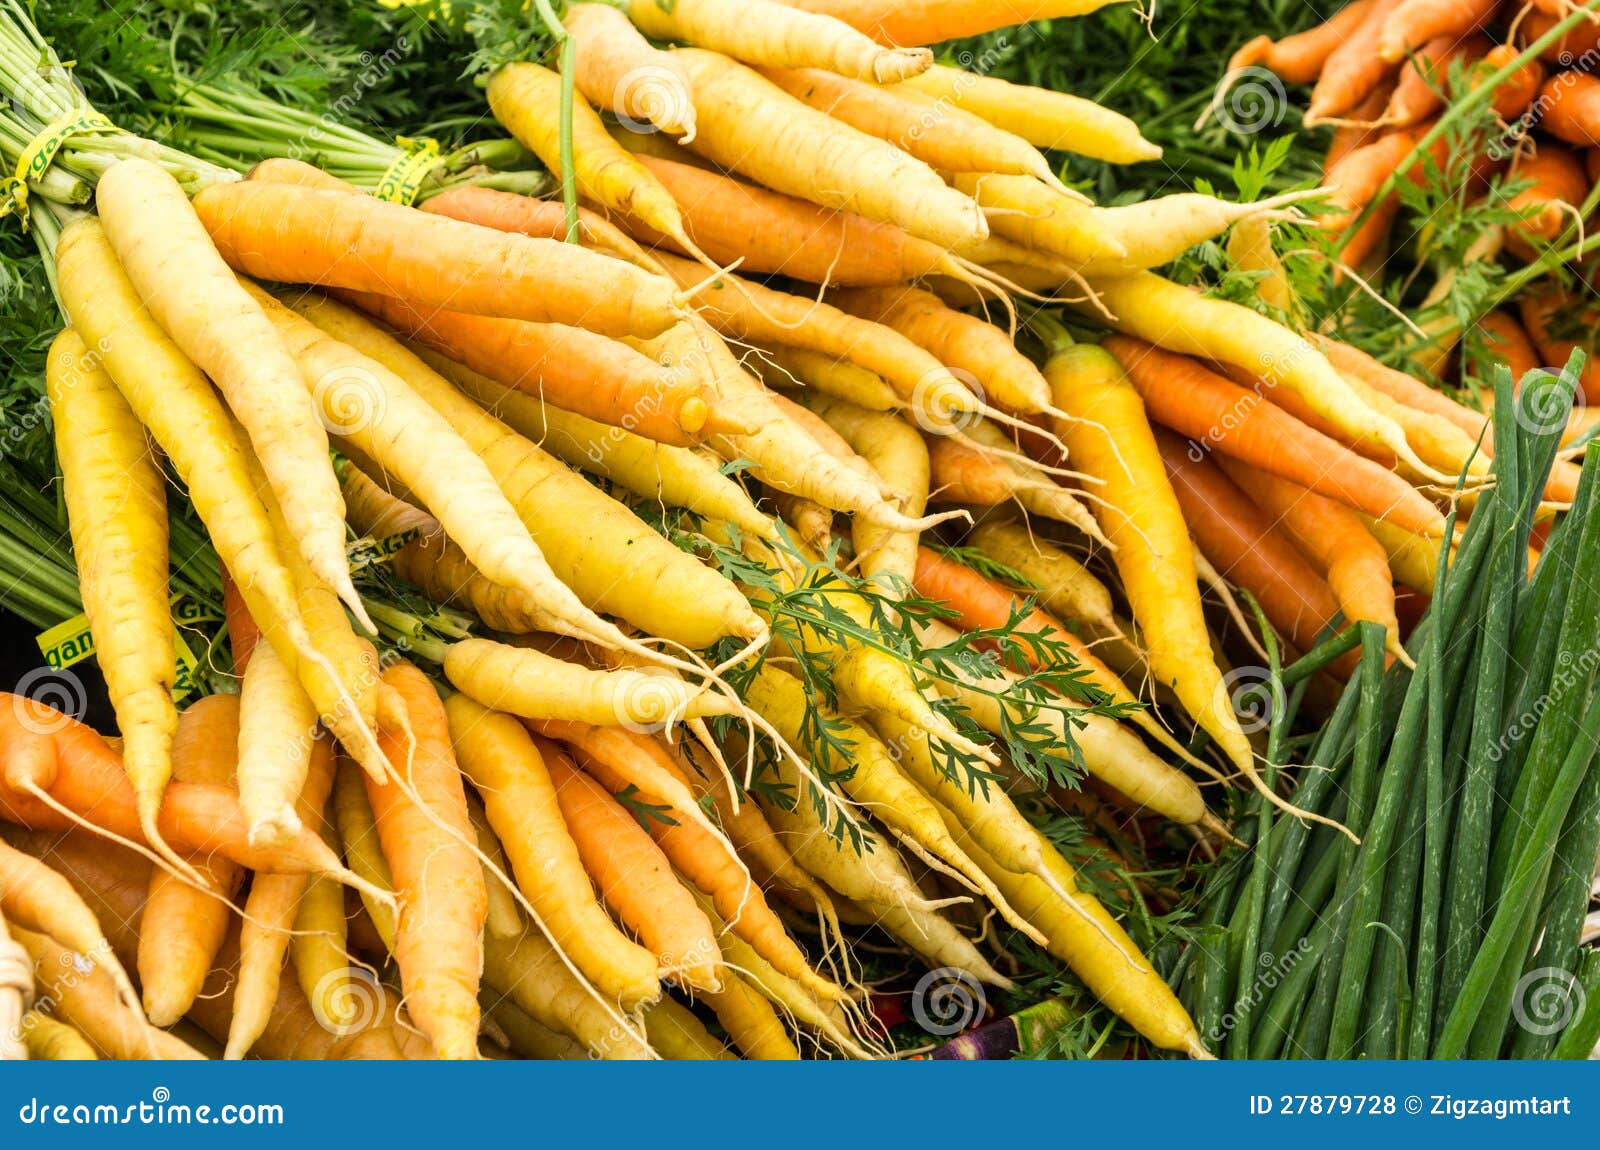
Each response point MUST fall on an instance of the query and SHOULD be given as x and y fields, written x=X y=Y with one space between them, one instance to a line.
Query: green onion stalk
x=1454 y=927
x=235 y=126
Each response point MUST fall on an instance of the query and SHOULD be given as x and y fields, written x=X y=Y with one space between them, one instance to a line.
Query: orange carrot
x=1359 y=127
x=1300 y=58
x=1570 y=46
x=426 y=831
x=750 y=312
x=1549 y=313
x=112 y=881
x=1505 y=341
x=541 y=219
x=509 y=772
x=982 y=604
x=1516 y=93
x=183 y=927
x=1359 y=175
x=963 y=471
x=777 y=234
x=960 y=341
x=1424 y=79
x=243 y=634
x=1220 y=415
x=1246 y=546
x=1333 y=537
x=617 y=69
x=1414 y=22
x=51 y=764
x=634 y=878
x=706 y=862
x=567 y=366
x=1352 y=70
x=1569 y=105
x=365 y=244
x=527 y=99
x=750 y=125
x=1549 y=204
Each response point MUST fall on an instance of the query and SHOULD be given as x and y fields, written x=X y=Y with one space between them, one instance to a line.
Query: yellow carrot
x=176 y=402
x=1044 y=118
x=896 y=452
x=117 y=513
x=526 y=99
x=750 y=125
x=537 y=686
x=763 y=32
x=197 y=299
x=617 y=69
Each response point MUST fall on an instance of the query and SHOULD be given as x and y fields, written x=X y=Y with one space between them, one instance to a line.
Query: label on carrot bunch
x=41 y=152
x=402 y=180
x=71 y=641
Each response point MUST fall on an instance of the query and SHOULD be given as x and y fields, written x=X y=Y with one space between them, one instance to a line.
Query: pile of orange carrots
x=644 y=800
x=1392 y=77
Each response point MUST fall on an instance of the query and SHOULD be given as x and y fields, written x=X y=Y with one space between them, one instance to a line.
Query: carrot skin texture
x=443 y=901
x=183 y=928
x=117 y=512
x=635 y=879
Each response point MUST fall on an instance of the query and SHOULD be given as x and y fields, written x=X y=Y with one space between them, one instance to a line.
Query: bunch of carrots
x=1405 y=83
x=776 y=569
